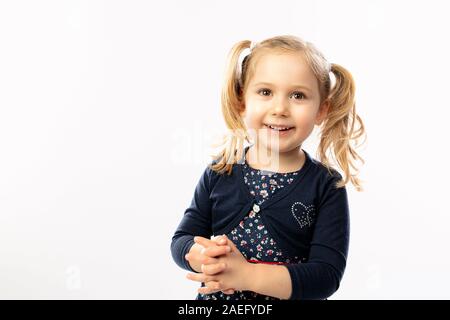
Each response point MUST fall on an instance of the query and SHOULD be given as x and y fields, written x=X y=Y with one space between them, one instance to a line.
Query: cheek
x=304 y=117
x=253 y=119
x=253 y=123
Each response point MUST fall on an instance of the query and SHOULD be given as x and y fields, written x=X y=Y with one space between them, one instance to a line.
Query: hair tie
x=242 y=56
x=244 y=53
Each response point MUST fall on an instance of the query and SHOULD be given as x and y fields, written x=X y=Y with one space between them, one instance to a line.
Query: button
x=255 y=208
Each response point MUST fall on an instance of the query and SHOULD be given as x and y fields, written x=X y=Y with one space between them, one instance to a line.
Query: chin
x=282 y=147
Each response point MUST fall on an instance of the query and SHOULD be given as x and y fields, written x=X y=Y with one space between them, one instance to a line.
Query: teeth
x=278 y=128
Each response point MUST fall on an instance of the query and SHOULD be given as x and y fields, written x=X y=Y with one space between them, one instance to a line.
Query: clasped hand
x=223 y=266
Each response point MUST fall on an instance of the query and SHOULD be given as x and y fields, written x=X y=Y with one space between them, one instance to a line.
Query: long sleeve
x=196 y=221
x=320 y=276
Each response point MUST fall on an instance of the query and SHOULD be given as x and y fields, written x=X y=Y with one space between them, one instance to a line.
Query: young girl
x=283 y=215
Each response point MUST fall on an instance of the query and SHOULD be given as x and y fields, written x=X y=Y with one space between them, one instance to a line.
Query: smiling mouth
x=278 y=128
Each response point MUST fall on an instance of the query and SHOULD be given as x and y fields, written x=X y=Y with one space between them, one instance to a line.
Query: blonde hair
x=338 y=128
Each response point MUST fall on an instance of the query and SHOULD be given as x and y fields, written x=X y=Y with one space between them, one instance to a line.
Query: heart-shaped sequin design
x=305 y=215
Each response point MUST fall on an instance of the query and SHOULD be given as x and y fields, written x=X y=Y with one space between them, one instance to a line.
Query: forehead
x=284 y=70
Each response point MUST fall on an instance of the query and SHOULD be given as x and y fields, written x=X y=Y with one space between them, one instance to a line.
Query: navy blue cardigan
x=308 y=218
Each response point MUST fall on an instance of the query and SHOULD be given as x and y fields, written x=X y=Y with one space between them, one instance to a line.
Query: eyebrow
x=271 y=84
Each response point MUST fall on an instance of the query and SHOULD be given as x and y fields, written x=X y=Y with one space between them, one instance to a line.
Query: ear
x=242 y=108
x=323 y=112
x=242 y=111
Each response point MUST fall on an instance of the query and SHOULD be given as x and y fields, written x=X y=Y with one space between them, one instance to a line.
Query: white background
x=108 y=108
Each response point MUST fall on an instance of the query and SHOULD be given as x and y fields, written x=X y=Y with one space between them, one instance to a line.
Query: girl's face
x=283 y=92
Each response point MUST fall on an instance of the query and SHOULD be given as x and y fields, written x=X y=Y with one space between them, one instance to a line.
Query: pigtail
x=339 y=127
x=232 y=104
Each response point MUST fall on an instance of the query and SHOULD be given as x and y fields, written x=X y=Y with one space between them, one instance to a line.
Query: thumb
x=226 y=241
x=220 y=240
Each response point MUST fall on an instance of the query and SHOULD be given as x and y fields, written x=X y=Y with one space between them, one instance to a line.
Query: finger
x=220 y=240
x=207 y=260
x=199 y=277
x=215 y=251
x=200 y=258
x=229 y=291
x=227 y=241
x=213 y=269
x=204 y=242
x=215 y=240
x=210 y=287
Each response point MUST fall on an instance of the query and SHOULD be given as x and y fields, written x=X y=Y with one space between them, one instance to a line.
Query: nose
x=280 y=107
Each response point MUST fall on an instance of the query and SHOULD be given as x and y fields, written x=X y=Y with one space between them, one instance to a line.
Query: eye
x=264 y=90
x=301 y=94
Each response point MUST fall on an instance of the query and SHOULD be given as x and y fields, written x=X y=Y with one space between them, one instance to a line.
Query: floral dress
x=251 y=236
